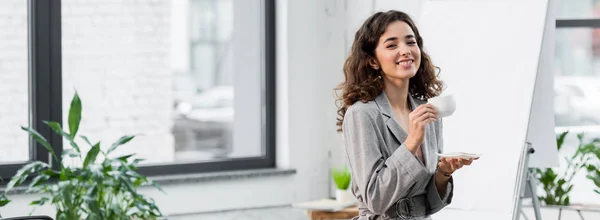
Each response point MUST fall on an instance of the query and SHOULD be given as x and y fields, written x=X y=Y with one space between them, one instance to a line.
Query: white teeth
x=405 y=63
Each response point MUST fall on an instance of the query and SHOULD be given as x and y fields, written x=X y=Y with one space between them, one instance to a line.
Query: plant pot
x=342 y=195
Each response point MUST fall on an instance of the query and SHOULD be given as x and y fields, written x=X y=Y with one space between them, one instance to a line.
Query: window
x=578 y=9
x=14 y=106
x=192 y=79
x=28 y=47
x=577 y=66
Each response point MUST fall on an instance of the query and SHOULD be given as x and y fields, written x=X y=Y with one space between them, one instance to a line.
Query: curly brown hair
x=363 y=83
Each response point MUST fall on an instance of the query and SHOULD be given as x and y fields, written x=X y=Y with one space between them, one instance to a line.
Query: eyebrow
x=395 y=38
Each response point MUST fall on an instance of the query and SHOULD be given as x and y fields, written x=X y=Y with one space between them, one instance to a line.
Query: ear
x=373 y=63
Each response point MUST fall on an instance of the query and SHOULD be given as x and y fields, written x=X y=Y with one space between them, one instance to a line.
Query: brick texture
x=13 y=81
x=115 y=54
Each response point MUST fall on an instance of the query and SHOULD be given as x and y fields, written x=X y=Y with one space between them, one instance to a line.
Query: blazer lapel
x=430 y=158
x=391 y=122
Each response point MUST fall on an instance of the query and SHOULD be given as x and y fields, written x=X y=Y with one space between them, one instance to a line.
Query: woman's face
x=397 y=52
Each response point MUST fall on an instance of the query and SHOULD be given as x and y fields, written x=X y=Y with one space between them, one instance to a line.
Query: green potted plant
x=593 y=149
x=341 y=178
x=557 y=187
x=594 y=176
x=103 y=187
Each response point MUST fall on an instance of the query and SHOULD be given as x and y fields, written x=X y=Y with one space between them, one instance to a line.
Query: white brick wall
x=13 y=81
x=116 y=54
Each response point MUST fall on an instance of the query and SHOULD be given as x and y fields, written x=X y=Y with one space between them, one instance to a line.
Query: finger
x=426 y=117
x=430 y=107
x=468 y=162
x=458 y=163
x=452 y=165
x=423 y=109
x=450 y=162
x=419 y=107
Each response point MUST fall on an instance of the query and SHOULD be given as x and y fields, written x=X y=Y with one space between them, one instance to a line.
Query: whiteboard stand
x=526 y=185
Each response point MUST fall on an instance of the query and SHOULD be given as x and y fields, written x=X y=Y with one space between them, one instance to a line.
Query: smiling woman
x=390 y=134
x=362 y=78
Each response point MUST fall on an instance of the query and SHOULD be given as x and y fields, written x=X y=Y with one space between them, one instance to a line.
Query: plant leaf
x=157 y=187
x=3 y=200
x=561 y=139
x=91 y=155
x=24 y=172
x=74 y=115
x=341 y=178
x=40 y=139
x=121 y=141
x=66 y=174
x=38 y=180
x=128 y=185
x=40 y=202
x=55 y=126
x=51 y=173
x=70 y=153
x=87 y=140
x=124 y=158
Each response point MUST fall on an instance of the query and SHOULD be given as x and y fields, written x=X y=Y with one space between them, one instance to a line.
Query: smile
x=405 y=63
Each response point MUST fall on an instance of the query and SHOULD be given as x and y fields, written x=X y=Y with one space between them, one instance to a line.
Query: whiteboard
x=541 y=124
x=488 y=52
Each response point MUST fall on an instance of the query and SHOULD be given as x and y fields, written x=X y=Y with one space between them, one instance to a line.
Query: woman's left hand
x=448 y=165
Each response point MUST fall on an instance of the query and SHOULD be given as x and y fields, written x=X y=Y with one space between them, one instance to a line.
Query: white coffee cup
x=444 y=104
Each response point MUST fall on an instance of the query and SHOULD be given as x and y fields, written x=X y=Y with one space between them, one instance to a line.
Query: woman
x=390 y=134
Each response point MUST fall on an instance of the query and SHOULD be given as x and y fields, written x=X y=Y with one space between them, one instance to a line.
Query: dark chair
x=33 y=217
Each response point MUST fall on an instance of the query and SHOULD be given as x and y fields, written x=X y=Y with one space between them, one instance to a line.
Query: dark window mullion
x=577 y=23
x=45 y=73
x=270 y=84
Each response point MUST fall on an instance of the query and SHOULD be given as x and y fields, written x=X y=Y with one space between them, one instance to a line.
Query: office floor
x=288 y=213
x=276 y=213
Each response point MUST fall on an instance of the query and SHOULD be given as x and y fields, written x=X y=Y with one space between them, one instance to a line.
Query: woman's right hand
x=418 y=120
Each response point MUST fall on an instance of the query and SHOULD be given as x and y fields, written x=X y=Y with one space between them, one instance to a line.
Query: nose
x=404 y=51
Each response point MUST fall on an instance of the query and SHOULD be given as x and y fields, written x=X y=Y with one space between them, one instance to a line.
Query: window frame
x=578 y=23
x=45 y=95
x=45 y=89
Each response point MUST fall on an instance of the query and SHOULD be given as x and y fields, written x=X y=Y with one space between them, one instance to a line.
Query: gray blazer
x=383 y=170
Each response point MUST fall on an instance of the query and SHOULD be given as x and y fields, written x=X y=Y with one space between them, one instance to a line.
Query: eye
x=391 y=46
x=412 y=42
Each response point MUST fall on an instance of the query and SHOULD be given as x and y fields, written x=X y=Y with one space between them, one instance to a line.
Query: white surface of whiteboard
x=541 y=124
x=488 y=52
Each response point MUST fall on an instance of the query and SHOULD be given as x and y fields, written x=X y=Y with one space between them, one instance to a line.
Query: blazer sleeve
x=380 y=181
x=437 y=203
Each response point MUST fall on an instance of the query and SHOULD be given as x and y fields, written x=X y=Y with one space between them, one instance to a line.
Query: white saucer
x=462 y=155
